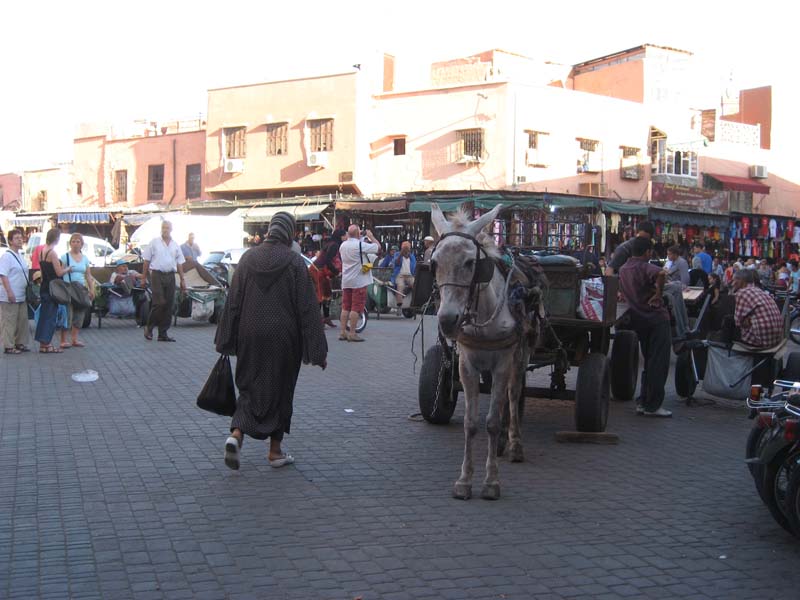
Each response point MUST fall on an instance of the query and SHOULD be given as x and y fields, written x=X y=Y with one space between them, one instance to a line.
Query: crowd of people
x=645 y=284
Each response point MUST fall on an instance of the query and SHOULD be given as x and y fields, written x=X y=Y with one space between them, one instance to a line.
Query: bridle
x=482 y=273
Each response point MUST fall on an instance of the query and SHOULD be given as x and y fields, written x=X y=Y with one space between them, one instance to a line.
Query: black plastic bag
x=219 y=394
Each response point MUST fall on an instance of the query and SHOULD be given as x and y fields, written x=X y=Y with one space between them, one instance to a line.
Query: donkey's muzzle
x=448 y=323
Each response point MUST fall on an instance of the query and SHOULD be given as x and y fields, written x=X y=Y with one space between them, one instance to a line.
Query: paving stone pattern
x=117 y=489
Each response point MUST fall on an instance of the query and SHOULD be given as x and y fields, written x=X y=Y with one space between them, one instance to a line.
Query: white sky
x=92 y=60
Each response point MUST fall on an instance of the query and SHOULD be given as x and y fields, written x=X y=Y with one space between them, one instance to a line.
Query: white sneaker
x=639 y=409
x=232 y=453
x=661 y=412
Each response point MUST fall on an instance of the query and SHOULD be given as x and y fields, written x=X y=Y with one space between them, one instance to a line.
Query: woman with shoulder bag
x=52 y=269
x=80 y=274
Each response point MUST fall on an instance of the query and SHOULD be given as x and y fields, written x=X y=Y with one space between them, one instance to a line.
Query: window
x=536 y=156
x=670 y=161
x=629 y=166
x=155 y=182
x=193 y=181
x=321 y=131
x=589 y=159
x=399 y=146
x=235 y=146
x=120 y=186
x=470 y=144
x=277 y=139
x=79 y=188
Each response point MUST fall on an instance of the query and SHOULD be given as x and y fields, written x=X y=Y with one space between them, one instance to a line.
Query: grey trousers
x=674 y=291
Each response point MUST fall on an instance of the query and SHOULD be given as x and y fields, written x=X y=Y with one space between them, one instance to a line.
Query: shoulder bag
x=79 y=295
x=219 y=393
x=31 y=297
x=365 y=266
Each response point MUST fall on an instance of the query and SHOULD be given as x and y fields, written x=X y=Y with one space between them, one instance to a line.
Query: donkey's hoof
x=515 y=453
x=490 y=491
x=462 y=491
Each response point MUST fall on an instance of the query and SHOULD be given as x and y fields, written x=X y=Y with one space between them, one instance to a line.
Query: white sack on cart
x=202 y=309
x=590 y=306
x=722 y=369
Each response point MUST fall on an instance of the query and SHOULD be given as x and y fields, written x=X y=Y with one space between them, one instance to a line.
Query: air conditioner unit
x=467 y=159
x=317 y=159
x=522 y=179
x=234 y=165
x=758 y=172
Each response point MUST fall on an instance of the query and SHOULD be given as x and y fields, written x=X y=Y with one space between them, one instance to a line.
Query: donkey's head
x=461 y=261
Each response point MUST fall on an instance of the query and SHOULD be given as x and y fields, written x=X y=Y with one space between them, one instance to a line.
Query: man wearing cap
x=162 y=258
x=426 y=256
x=124 y=275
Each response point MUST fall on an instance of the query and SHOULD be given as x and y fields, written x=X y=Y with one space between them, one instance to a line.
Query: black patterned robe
x=271 y=322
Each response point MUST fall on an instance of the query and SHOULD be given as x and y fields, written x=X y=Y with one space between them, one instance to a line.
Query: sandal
x=49 y=350
x=277 y=463
x=22 y=348
x=66 y=345
x=12 y=351
x=78 y=345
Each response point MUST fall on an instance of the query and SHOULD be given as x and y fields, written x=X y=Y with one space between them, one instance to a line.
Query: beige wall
x=57 y=183
x=87 y=156
x=295 y=102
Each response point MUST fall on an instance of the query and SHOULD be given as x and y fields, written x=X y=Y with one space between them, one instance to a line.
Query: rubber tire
x=408 y=313
x=624 y=365
x=751 y=451
x=362 y=322
x=795 y=324
x=685 y=385
x=428 y=378
x=87 y=320
x=793 y=502
x=370 y=305
x=592 y=392
x=792 y=369
x=769 y=483
x=142 y=313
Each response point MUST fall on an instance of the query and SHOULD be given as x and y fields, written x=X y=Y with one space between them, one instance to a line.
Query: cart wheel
x=408 y=313
x=371 y=306
x=795 y=325
x=685 y=384
x=792 y=369
x=432 y=374
x=591 y=393
x=624 y=365
x=142 y=312
x=87 y=320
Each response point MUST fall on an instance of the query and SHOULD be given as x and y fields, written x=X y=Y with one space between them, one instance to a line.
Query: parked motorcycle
x=773 y=451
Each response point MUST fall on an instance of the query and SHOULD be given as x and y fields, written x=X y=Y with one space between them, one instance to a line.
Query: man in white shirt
x=162 y=257
x=13 y=308
x=355 y=278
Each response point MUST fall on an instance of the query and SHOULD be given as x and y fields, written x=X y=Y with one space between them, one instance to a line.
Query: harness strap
x=479 y=343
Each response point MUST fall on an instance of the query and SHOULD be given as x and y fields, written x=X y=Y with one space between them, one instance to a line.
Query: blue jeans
x=46 y=327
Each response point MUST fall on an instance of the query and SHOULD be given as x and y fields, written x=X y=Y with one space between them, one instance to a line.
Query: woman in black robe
x=271 y=324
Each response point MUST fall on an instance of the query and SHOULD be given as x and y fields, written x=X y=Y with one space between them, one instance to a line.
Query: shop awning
x=624 y=208
x=444 y=205
x=263 y=214
x=571 y=201
x=689 y=218
x=740 y=184
x=39 y=221
x=368 y=207
x=139 y=218
x=83 y=217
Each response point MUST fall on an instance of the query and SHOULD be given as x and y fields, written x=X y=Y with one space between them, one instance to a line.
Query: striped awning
x=83 y=217
x=263 y=214
x=39 y=221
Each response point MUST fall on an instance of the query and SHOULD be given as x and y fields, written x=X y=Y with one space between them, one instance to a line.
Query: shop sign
x=689 y=198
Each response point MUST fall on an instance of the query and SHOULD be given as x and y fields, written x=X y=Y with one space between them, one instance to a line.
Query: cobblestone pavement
x=117 y=489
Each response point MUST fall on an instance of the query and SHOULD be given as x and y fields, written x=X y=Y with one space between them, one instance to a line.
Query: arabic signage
x=692 y=199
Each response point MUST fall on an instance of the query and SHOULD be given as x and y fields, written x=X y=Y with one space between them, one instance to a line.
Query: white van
x=95 y=249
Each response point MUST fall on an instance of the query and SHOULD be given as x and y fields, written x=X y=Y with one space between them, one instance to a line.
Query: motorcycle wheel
x=754 y=440
x=775 y=484
x=793 y=502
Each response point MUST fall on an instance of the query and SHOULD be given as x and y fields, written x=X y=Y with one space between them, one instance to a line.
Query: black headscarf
x=281 y=228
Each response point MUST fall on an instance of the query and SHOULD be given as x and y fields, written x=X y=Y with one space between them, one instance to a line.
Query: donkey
x=475 y=312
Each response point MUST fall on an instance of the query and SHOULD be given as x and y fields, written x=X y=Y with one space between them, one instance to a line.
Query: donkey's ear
x=476 y=226
x=441 y=224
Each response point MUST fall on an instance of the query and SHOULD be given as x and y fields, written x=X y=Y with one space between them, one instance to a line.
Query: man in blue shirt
x=701 y=259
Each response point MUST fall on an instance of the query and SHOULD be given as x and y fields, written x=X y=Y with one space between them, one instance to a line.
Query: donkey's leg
x=470 y=380
x=515 y=391
x=502 y=439
x=491 y=484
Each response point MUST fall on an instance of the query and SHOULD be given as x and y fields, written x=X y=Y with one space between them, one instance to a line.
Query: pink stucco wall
x=11 y=185
x=96 y=159
x=293 y=102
